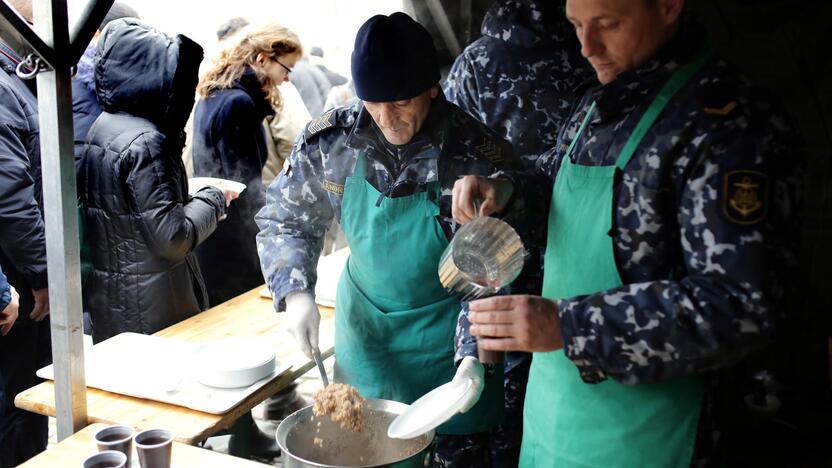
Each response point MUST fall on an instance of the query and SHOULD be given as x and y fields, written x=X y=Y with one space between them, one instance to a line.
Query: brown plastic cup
x=106 y=459
x=118 y=438
x=154 y=447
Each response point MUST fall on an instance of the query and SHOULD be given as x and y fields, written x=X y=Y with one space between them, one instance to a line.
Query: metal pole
x=15 y=32
x=444 y=25
x=465 y=18
x=61 y=222
x=83 y=30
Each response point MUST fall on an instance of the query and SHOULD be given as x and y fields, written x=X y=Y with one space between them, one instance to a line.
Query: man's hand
x=9 y=314
x=494 y=194
x=516 y=323
x=303 y=320
x=41 y=309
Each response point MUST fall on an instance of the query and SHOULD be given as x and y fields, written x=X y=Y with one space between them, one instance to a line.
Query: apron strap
x=360 y=164
x=580 y=130
x=673 y=85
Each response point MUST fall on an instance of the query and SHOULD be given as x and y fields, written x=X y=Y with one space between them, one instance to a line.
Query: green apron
x=567 y=422
x=395 y=323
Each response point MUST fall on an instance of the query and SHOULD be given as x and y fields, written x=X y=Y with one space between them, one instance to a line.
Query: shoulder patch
x=745 y=195
x=322 y=123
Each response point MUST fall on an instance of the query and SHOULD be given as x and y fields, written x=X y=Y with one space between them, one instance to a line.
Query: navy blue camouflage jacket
x=519 y=77
x=303 y=199
x=701 y=222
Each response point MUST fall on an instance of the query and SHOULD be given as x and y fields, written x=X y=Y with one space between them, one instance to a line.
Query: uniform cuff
x=575 y=341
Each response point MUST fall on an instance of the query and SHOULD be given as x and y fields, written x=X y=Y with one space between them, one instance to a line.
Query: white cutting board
x=159 y=369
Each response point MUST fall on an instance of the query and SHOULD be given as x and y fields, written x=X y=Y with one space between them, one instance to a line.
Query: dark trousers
x=462 y=451
x=506 y=438
x=23 y=351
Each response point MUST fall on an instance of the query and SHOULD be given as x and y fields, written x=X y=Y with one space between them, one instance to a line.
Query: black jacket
x=142 y=224
x=229 y=142
x=22 y=238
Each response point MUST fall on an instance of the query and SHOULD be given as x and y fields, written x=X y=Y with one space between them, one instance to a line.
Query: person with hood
x=229 y=142
x=143 y=225
x=670 y=234
x=384 y=167
x=27 y=346
x=85 y=107
x=519 y=78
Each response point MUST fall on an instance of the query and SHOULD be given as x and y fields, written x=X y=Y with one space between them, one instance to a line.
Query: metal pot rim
x=389 y=406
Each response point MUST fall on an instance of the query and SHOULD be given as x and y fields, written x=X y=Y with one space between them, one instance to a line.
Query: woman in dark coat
x=236 y=94
x=143 y=226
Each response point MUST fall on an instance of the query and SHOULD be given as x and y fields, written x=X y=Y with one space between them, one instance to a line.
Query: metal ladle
x=320 y=363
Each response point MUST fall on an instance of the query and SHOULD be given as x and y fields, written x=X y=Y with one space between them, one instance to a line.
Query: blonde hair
x=273 y=40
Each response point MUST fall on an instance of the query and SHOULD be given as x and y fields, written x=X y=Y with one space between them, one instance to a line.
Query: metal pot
x=309 y=442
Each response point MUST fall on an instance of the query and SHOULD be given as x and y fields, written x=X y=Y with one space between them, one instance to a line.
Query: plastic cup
x=106 y=459
x=118 y=438
x=154 y=447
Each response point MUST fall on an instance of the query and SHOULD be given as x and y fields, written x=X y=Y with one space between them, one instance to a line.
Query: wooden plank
x=246 y=315
x=75 y=449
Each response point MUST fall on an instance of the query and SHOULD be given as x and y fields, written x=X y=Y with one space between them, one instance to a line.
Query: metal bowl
x=309 y=442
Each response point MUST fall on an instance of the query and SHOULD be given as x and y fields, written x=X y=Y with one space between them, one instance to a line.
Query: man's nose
x=386 y=115
x=590 y=41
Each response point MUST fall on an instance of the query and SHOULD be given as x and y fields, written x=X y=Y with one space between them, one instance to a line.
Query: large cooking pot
x=309 y=442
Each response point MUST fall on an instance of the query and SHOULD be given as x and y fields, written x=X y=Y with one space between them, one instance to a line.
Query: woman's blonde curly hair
x=273 y=39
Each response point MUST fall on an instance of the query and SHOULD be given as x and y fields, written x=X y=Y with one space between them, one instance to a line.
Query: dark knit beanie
x=393 y=59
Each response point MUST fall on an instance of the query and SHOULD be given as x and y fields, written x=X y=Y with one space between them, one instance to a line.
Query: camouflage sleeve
x=465 y=344
x=293 y=223
x=460 y=86
x=732 y=202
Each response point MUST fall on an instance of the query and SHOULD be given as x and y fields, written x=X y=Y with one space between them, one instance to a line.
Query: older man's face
x=619 y=35
x=399 y=121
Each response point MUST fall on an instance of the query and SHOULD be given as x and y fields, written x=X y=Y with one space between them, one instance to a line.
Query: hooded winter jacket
x=143 y=225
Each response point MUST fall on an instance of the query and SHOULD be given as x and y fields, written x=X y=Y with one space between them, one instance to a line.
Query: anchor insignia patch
x=745 y=196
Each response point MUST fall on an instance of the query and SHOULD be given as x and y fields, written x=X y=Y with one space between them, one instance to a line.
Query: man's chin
x=396 y=138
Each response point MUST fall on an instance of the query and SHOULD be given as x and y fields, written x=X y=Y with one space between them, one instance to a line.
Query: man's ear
x=434 y=91
x=671 y=10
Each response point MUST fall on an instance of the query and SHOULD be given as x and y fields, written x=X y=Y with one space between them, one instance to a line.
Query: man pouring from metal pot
x=385 y=168
x=671 y=185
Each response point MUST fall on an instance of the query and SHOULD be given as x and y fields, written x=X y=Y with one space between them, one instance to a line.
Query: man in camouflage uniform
x=519 y=78
x=697 y=239
x=395 y=153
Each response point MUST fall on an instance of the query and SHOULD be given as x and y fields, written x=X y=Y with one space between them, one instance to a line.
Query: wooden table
x=73 y=450
x=246 y=315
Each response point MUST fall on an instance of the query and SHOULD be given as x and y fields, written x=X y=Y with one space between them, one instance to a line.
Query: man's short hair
x=230 y=27
x=117 y=11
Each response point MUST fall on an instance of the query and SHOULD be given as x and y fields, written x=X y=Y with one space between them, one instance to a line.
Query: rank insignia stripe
x=332 y=187
x=745 y=195
x=323 y=122
x=490 y=151
x=722 y=111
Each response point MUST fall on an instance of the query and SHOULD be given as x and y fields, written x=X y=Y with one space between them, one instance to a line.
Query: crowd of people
x=655 y=187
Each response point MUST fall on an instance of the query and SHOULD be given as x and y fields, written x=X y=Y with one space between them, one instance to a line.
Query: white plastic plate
x=431 y=410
